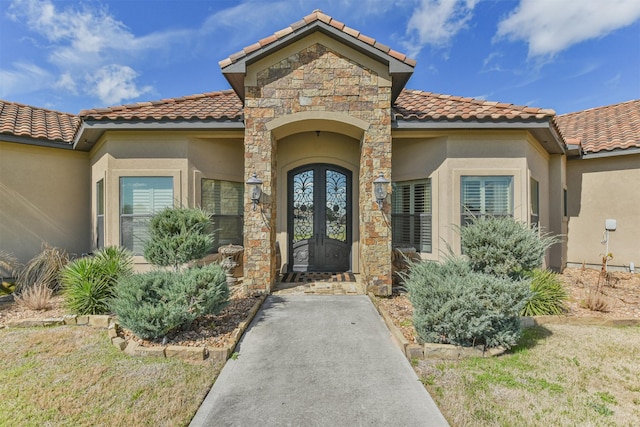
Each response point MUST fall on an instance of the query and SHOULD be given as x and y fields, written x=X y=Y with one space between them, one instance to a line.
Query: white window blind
x=411 y=214
x=140 y=198
x=486 y=196
x=224 y=200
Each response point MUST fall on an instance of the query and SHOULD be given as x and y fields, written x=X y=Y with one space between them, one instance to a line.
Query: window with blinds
x=224 y=200
x=411 y=214
x=140 y=198
x=486 y=196
x=535 y=203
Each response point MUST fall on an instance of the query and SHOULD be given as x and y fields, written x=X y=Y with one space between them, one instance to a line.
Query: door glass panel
x=336 y=206
x=303 y=206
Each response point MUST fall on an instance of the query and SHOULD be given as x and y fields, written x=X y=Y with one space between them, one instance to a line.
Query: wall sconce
x=255 y=190
x=380 y=189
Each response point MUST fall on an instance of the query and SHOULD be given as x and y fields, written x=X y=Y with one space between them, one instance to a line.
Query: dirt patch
x=621 y=292
x=209 y=331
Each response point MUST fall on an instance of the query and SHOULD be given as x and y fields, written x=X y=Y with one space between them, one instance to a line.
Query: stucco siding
x=446 y=158
x=44 y=197
x=600 y=189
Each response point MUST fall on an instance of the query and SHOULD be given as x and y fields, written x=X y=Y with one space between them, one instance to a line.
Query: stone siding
x=317 y=79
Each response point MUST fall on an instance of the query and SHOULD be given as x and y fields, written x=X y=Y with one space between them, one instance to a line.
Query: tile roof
x=223 y=105
x=39 y=123
x=427 y=106
x=316 y=15
x=608 y=128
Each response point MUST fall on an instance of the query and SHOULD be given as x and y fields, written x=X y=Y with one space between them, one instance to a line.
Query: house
x=318 y=121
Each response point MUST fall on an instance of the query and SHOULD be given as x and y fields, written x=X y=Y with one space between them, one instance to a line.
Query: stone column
x=259 y=224
x=375 y=225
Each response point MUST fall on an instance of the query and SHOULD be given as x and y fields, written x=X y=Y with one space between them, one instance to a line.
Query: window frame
x=534 y=191
x=239 y=216
x=142 y=216
x=100 y=214
x=416 y=220
x=466 y=215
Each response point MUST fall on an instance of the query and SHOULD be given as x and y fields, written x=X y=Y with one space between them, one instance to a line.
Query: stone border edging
x=133 y=348
x=430 y=350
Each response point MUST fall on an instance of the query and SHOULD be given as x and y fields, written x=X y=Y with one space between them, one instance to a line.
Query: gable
x=398 y=66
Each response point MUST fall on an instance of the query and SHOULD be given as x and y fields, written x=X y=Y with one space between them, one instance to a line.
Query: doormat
x=306 y=277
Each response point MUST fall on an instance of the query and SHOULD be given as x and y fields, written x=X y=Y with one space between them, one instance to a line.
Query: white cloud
x=550 y=26
x=436 y=22
x=114 y=83
x=23 y=77
x=66 y=82
x=81 y=41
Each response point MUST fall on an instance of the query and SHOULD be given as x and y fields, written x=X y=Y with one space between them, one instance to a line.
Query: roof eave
x=610 y=153
x=92 y=130
x=542 y=129
x=40 y=142
x=236 y=71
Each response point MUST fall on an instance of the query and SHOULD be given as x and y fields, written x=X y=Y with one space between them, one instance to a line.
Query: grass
x=73 y=376
x=558 y=375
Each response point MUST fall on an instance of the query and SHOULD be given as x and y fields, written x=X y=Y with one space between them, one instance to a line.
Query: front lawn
x=559 y=375
x=73 y=376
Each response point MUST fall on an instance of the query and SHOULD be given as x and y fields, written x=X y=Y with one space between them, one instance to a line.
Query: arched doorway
x=319 y=218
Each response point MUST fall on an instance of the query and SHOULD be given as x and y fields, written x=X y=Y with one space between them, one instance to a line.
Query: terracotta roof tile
x=39 y=123
x=428 y=106
x=213 y=105
x=316 y=15
x=606 y=128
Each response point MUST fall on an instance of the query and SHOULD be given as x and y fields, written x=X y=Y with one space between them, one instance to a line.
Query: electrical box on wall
x=610 y=224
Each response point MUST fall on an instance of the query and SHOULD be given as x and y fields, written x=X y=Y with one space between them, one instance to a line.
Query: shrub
x=455 y=305
x=44 y=268
x=549 y=295
x=89 y=283
x=503 y=246
x=177 y=236
x=36 y=297
x=157 y=303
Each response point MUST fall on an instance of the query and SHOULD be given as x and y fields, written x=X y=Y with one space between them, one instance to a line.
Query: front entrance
x=319 y=212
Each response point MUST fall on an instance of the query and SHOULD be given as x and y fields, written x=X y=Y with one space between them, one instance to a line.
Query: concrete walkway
x=318 y=361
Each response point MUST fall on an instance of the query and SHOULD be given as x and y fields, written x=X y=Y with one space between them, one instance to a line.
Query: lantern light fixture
x=255 y=189
x=380 y=189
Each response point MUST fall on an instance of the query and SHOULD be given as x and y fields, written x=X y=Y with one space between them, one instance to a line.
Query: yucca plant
x=549 y=295
x=89 y=283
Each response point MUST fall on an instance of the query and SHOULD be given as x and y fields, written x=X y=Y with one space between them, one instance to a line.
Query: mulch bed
x=622 y=292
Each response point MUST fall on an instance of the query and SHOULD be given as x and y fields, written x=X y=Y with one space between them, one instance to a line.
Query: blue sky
x=568 y=55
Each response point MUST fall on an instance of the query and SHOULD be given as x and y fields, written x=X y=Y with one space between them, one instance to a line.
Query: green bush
x=503 y=246
x=88 y=284
x=549 y=295
x=454 y=305
x=157 y=303
x=177 y=236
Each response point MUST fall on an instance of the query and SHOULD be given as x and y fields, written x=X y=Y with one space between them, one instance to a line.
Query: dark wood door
x=319 y=212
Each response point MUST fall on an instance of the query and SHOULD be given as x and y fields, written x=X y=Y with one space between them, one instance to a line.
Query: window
x=224 y=200
x=100 y=214
x=535 y=203
x=486 y=196
x=140 y=198
x=411 y=214
x=565 y=203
